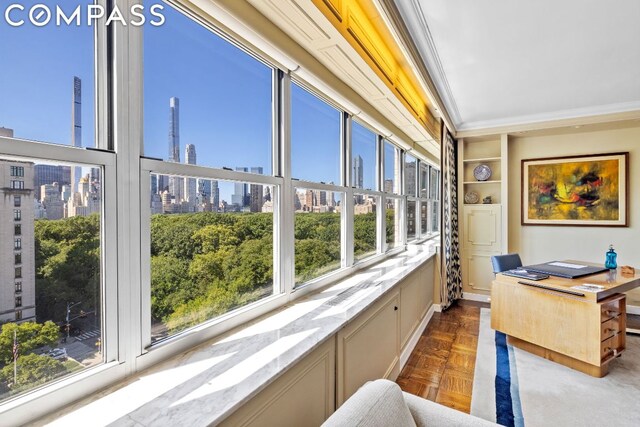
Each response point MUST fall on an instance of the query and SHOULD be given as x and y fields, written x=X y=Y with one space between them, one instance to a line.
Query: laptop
x=569 y=270
x=524 y=274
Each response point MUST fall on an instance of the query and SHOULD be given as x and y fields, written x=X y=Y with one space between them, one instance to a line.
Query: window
x=209 y=96
x=424 y=180
x=57 y=275
x=315 y=138
x=317 y=233
x=212 y=243
x=392 y=219
x=17 y=185
x=410 y=176
x=208 y=258
x=412 y=220
x=17 y=171
x=435 y=200
x=391 y=168
x=410 y=190
x=424 y=218
x=363 y=157
x=365 y=228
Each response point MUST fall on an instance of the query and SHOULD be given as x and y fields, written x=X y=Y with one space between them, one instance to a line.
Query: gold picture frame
x=584 y=190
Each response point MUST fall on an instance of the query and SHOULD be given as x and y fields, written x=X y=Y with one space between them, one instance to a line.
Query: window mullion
x=286 y=220
x=347 y=216
x=127 y=124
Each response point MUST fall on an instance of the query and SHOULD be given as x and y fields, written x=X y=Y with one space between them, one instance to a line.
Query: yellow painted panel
x=361 y=28
x=359 y=22
x=335 y=6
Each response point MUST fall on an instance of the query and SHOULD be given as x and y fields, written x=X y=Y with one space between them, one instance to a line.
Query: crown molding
x=389 y=9
x=571 y=117
x=413 y=16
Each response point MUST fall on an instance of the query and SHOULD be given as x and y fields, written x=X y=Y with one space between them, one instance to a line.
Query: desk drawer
x=611 y=309
x=609 y=328
x=612 y=347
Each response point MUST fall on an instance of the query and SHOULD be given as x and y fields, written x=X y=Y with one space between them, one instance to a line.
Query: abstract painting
x=578 y=190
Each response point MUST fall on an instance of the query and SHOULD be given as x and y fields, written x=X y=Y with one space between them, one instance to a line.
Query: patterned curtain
x=451 y=277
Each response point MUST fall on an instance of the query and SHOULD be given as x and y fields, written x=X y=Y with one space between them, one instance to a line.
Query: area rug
x=515 y=388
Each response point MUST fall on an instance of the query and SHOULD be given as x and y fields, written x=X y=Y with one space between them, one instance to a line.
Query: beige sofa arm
x=427 y=413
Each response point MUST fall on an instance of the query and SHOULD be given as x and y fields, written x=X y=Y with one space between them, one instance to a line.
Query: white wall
x=539 y=243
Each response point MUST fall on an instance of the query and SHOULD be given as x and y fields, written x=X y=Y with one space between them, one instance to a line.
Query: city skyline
x=220 y=107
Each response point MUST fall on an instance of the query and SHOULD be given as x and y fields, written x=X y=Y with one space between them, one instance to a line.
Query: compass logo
x=40 y=15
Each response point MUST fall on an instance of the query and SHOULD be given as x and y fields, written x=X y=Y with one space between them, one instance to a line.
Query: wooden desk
x=583 y=332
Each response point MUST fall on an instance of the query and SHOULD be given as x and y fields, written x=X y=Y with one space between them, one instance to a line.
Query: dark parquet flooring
x=441 y=366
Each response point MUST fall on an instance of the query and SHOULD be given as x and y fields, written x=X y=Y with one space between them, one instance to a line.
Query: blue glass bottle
x=610 y=261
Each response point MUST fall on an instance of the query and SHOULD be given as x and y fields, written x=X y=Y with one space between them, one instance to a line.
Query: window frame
x=120 y=101
x=38 y=401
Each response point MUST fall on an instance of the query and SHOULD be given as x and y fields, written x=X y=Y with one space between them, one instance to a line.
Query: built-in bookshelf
x=483 y=226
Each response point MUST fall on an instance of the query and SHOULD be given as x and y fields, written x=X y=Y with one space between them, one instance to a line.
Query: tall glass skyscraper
x=175 y=183
x=174 y=129
x=358 y=173
x=76 y=131
x=190 y=187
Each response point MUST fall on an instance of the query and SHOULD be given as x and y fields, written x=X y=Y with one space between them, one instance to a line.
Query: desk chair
x=505 y=262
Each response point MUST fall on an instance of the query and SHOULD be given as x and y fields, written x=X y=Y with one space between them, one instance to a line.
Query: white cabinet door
x=416 y=296
x=482 y=228
x=303 y=396
x=477 y=271
x=368 y=348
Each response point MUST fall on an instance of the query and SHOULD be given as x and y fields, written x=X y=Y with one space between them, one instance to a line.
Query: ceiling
x=500 y=63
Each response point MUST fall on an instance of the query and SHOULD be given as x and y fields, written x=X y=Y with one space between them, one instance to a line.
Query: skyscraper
x=174 y=129
x=215 y=196
x=190 y=184
x=48 y=174
x=76 y=129
x=175 y=183
x=256 y=192
x=240 y=195
x=358 y=174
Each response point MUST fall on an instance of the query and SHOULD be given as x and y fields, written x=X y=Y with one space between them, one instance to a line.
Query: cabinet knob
x=395 y=308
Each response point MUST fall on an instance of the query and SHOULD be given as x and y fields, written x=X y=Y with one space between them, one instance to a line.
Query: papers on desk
x=567 y=265
x=588 y=287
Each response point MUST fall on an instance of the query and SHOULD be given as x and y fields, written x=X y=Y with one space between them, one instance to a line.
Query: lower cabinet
x=302 y=396
x=416 y=296
x=477 y=271
x=368 y=348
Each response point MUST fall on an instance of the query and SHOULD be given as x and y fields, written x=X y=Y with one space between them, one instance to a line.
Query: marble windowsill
x=206 y=384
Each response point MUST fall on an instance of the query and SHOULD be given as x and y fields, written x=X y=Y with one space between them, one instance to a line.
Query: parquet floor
x=442 y=364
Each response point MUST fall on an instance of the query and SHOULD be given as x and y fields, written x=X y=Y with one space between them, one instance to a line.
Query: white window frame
x=119 y=128
x=40 y=400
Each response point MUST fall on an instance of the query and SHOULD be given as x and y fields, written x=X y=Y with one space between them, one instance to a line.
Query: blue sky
x=225 y=97
x=36 y=79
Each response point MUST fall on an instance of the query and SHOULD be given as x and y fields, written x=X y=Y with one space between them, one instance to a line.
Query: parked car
x=58 y=353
